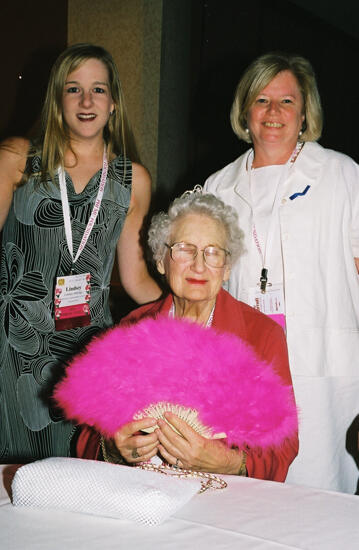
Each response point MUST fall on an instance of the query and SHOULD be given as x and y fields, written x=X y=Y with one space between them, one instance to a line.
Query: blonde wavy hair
x=54 y=138
x=259 y=74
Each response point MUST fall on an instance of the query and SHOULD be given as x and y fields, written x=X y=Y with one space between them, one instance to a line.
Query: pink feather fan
x=129 y=368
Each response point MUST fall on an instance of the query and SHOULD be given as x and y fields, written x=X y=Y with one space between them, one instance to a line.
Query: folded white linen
x=102 y=489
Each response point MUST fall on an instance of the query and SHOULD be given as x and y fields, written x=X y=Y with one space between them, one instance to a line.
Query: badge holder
x=72 y=297
x=270 y=302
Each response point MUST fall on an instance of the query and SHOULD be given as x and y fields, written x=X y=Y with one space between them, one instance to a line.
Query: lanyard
x=263 y=280
x=95 y=210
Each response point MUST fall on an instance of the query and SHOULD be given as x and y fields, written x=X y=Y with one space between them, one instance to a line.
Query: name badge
x=72 y=297
x=271 y=302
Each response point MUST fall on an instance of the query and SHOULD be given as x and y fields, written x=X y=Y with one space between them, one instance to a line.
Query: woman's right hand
x=133 y=445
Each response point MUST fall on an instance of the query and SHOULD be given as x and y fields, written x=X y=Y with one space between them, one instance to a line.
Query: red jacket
x=268 y=340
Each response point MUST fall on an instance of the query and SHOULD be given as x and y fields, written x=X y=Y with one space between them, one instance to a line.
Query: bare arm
x=13 y=152
x=132 y=266
x=357 y=263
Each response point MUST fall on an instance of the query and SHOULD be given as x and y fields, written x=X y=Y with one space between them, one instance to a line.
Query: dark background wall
x=32 y=34
x=224 y=37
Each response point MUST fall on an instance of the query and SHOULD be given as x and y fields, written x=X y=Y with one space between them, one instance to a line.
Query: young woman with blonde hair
x=68 y=202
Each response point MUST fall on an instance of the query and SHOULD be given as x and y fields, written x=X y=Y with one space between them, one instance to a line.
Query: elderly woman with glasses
x=194 y=246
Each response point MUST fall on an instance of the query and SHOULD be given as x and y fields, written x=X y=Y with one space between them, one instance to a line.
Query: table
x=249 y=514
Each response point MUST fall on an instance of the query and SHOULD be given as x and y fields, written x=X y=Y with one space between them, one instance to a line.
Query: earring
x=111 y=112
x=247 y=131
x=300 y=133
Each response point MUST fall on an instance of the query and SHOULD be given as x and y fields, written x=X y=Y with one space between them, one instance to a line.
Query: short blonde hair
x=259 y=74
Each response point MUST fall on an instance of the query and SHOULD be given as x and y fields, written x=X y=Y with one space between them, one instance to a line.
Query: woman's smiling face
x=276 y=116
x=87 y=101
x=195 y=281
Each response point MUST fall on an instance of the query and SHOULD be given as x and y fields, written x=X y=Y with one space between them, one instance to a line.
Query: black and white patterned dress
x=34 y=252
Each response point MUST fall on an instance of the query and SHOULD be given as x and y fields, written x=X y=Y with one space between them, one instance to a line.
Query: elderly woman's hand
x=132 y=445
x=194 y=452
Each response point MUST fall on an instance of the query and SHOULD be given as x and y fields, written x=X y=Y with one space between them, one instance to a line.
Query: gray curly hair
x=196 y=203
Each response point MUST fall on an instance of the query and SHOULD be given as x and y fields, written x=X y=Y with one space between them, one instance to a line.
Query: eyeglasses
x=213 y=256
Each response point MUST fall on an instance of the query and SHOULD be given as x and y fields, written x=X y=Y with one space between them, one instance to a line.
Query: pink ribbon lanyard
x=94 y=213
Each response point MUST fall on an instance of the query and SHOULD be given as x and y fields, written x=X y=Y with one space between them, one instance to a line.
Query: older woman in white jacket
x=298 y=204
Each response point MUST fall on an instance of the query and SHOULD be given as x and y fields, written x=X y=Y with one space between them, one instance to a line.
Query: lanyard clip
x=263 y=280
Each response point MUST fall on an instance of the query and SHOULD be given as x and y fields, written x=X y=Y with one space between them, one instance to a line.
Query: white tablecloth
x=249 y=514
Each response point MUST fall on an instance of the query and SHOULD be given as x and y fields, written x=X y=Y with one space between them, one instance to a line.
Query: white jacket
x=320 y=238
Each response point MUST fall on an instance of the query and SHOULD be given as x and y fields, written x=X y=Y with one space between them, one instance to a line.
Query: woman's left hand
x=192 y=451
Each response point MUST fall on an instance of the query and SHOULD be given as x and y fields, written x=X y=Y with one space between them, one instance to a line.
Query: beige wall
x=131 y=31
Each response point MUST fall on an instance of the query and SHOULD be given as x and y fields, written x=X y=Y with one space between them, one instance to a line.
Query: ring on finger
x=135 y=454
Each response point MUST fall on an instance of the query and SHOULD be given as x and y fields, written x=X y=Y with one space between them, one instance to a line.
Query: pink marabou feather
x=128 y=368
